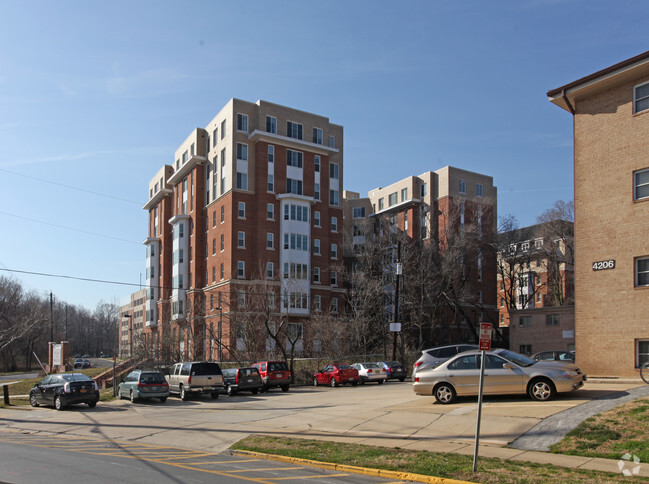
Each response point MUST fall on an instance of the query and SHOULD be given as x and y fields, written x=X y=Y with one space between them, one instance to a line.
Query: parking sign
x=485 y=336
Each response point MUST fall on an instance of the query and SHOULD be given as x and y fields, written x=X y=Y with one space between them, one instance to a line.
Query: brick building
x=251 y=206
x=610 y=111
x=131 y=323
x=426 y=209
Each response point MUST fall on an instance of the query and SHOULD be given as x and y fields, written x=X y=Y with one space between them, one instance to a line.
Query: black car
x=63 y=390
x=394 y=370
x=242 y=380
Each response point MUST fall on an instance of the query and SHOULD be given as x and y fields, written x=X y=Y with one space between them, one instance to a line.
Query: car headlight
x=568 y=373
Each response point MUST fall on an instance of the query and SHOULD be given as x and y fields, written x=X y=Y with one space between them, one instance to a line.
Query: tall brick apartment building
x=426 y=208
x=251 y=203
x=610 y=111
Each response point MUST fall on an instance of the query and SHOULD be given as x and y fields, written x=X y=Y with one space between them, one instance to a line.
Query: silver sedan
x=506 y=372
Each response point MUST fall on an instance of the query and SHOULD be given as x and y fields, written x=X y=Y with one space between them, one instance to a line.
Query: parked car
x=394 y=370
x=557 y=355
x=273 y=374
x=434 y=356
x=64 y=389
x=242 y=380
x=506 y=372
x=195 y=377
x=335 y=375
x=86 y=356
x=77 y=355
x=81 y=363
x=370 y=372
x=140 y=384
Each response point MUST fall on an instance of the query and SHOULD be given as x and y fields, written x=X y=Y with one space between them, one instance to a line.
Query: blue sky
x=95 y=97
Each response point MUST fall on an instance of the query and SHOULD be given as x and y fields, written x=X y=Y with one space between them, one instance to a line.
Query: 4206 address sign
x=604 y=265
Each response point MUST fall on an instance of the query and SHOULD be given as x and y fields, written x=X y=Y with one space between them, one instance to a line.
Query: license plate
x=153 y=389
x=350 y=379
x=279 y=375
x=249 y=380
x=83 y=390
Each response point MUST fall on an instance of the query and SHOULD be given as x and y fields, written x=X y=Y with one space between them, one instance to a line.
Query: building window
x=316 y=306
x=223 y=129
x=271 y=154
x=271 y=124
x=334 y=251
x=242 y=122
x=381 y=203
x=213 y=246
x=525 y=349
x=641 y=97
x=294 y=158
x=404 y=194
x=462 y=186
x=294 y=130
x=316 y=191
x=222 y=213
x=316 y=275
x=270 y=270
x=316 y=246
x=642 y=272
x=525 y=321
x=222 y=271
x=242 y=181
x=334 y=171
x=271 y=183
x=270 y=240
x=215 y=136
x=334 y=304
x=332 y=141
x=241 y=240
x=552 y=320
x=317 y=136
x=242 y=152
x=334 y=198
x=316 y=163
x=424 y=190
x=270 y=211
x=358 y=212
x=316 y=218
x=334 y=224
x=392 y=199
x=222 y=242
x=294 y=186
x=478 y=189
x=334 y=278
x=242 y=210
x=241 y=269
x=641 y=184
x=213 y=274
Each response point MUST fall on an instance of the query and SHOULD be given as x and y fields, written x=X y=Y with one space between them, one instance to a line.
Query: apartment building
x=251 y=204
x=431 y=208
x=131 y=324
x=610 y=110
x=536 y=286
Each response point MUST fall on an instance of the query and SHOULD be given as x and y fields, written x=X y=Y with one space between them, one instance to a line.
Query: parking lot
x=389 y=414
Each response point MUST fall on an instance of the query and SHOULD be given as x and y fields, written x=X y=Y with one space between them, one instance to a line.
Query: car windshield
x=344 y=367
x=393 y=363
x=277 y=366
x=520 y=360
x=75 y=377
x=370 y=365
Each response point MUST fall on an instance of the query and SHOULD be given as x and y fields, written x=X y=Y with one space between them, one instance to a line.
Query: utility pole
x=51 y=317
x=396 y=302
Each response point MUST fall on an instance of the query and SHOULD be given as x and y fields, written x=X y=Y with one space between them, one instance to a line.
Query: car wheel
x=58 y=403
x=163 y=399
x=402 y=378
x=362 y=382
x=284 y=388
x=333 y=383
x=32 y=400
x=214 y=395
x=315 y=382
x=541 y=389
x=132 y=397
x=230 y=391
x=255 y=391
x=183 y=394
x=354 y=383
x=92 y=404
x=381 y=382
x=444 y=393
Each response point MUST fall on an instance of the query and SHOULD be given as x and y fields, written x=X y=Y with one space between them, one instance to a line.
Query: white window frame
x=271 y=124
x=270 y=211
x=242 y=122
x=270 y=240
x=479 y=190
x=316 y=275
x=637 y=99
x=334 y=224
x=241 y=210
x=316 y=246
x=316 y=218
x=241 y=239
x=644 y=273
x=241 y=269
x=462 y=187
x=334 y=251
x=643 y=185
x=270 y=270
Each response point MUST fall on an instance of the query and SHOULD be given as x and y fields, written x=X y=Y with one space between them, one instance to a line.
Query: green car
x=140 y=384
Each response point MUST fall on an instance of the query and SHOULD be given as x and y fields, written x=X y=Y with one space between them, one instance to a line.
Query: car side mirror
x=508 y=366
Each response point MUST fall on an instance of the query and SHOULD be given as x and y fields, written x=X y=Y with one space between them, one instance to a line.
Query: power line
x=72 y=187
x=69 y=228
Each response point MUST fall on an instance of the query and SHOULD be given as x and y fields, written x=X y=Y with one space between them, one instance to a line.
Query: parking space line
x=304 y=477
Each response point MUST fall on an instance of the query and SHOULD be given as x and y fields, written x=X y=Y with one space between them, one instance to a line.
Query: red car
x=335 y=375
x=273 y=374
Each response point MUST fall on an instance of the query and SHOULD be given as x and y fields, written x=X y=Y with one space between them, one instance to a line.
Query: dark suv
x=274 y=374
x=242 y=380
x=196 y=377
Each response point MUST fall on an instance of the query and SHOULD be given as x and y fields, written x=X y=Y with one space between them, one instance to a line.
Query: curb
x=406 y=476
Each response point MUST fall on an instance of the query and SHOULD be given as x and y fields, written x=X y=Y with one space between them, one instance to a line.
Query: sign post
x=485 y=345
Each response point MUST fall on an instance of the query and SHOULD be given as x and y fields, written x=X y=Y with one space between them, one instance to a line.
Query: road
x=63 y=459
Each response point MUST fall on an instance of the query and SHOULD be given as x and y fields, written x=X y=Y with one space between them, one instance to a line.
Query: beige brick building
x=610 y=111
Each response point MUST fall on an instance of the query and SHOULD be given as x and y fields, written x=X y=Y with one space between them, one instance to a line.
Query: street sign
x=485 y=336
x=395 y=327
